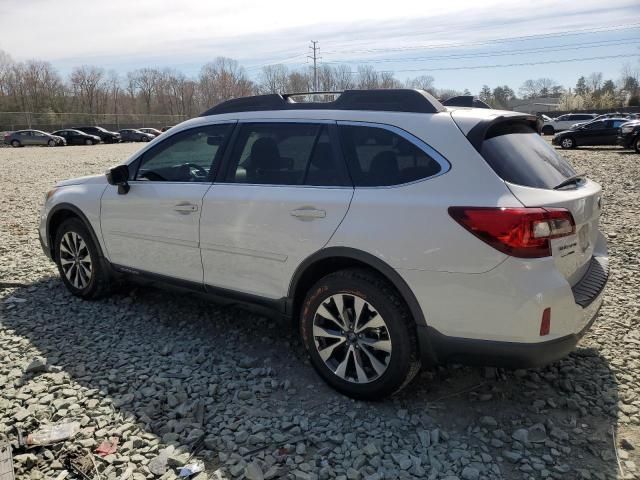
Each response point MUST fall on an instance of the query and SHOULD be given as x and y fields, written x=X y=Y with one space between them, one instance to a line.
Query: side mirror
x=119 y=176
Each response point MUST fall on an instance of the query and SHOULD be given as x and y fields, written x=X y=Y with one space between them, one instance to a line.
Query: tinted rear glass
x=519 y=155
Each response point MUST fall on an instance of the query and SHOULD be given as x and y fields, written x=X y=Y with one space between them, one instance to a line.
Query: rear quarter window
x=519 y=155
x=384 y=156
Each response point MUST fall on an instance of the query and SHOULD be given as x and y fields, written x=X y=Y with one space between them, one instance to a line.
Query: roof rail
x=464 y=101
x=387 y=100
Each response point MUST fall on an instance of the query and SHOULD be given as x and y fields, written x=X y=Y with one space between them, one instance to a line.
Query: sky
x=409 y=38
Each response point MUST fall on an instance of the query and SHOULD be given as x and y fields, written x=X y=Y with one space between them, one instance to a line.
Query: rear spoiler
x=464 y=101
x=479 y=132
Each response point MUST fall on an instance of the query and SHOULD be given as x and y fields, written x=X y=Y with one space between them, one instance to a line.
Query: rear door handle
x=185 y=207
x=308 y=213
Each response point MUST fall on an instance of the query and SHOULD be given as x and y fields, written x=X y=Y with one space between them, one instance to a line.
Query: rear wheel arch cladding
x=300 y=285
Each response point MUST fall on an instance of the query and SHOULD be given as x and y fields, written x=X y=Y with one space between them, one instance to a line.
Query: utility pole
x=315 y=49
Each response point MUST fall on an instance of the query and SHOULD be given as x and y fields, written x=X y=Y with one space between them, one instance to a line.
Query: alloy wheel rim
x=352 y=338
x=75 y=260
x=567 y=142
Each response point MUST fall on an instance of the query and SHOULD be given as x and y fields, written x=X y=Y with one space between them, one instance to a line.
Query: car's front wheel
x=568 y=142
x=51 y=143
x=359 y=334
x=636 y=145
x=82 y=270
x=88 y=142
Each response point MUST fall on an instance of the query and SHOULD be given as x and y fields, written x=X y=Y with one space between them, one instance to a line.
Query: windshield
x=519 y=155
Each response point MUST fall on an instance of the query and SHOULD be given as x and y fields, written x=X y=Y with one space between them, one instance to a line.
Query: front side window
x=595 y=125
x=380 y=157
x=284 y=154
x=187 y=156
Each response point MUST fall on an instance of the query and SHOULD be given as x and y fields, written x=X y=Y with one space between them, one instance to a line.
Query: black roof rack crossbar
x=387 y=100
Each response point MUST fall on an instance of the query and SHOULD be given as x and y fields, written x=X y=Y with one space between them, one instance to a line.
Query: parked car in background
x=629 y=135
x=597 y=132
x=23 y=138
x=76 y=137
x=393 y=258
x=133 y=135
x=564 y=122
x=164 y=129
x=105 y=135
x=151 y=131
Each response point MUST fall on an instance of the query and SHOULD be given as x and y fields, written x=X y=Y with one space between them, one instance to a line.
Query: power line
x=553 y=48
x=494 y=40
x=314 y=46
x=477 y=67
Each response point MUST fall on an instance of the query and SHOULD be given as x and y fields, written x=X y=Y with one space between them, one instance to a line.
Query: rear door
x=280 y=198
x=531 y=170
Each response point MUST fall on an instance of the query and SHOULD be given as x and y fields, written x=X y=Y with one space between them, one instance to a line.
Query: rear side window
x=285 y=154
x=519 y=155
x=377 y=156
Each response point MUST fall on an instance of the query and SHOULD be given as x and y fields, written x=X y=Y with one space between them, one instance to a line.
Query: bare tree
x=299 y=82
x=594 y=81
x=273 y=79
x=387 y=80
x=530 y=89
x=221 y=80
x=86 y=84
x=545 y=85
x=344 y=77
x=145 y=80
x=367 y=77
x=423 y=82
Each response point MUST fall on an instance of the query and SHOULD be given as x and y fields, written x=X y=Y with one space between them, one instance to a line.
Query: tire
x=548 y=130
x=15 y=143
x=145 y=139
x=636 y=145
x=88 y=142
x=392 y=330
x=568 y=142
x=89 y=286
x=51 y=143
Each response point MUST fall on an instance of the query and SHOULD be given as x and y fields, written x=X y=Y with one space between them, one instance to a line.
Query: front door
x=280 y=198
x=155 y=226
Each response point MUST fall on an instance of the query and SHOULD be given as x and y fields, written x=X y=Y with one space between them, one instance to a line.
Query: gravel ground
x=170 y=373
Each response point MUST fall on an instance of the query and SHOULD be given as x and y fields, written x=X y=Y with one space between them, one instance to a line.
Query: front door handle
x=185 y=207
x=308 y=213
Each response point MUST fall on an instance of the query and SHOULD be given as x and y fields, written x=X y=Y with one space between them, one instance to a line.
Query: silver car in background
x=22 y=138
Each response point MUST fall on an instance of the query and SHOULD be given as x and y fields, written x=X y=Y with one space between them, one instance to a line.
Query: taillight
x=519 y=232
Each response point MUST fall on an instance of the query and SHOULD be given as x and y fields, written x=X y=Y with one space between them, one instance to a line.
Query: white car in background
x=564 y=122
x=395 y=232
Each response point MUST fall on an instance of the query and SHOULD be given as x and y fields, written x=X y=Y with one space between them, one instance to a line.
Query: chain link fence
x=50 y=121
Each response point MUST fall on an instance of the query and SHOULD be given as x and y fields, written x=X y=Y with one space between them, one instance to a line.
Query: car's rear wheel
x=636 y=145
x=82 y=270
x=548 y=130
x=15 y=143
x=359 y=334
x=568 y=142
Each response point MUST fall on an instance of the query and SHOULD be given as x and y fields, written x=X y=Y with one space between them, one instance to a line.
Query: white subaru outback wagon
x=394 y=231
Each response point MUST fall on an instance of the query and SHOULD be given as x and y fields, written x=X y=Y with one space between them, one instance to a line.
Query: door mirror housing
x=119 y=176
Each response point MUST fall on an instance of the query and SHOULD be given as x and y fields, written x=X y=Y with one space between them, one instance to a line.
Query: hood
x=83 y=180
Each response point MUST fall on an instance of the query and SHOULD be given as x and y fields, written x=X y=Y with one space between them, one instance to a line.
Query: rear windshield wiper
x=573 y=179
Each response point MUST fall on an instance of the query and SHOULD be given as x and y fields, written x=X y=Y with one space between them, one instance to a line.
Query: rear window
x=519 y=155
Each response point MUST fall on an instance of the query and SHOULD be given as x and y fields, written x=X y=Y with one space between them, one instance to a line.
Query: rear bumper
x=588 y=293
